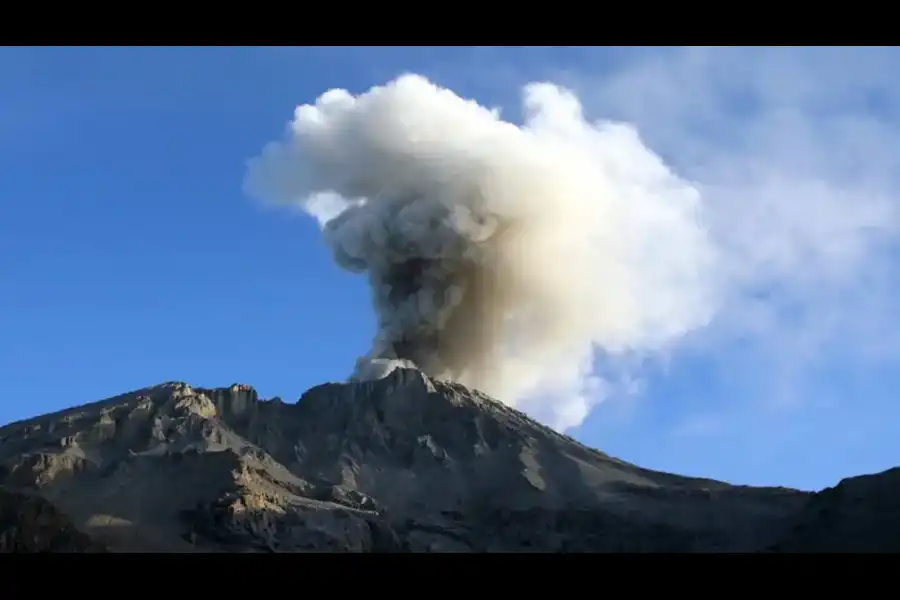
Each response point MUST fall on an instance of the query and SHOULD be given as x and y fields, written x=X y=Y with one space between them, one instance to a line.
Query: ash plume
x=506 y=257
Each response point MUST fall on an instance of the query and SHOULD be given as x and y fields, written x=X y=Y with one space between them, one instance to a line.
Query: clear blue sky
x=130 y=256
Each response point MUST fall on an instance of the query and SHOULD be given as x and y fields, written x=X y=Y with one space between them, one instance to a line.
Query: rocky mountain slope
x=404 y=463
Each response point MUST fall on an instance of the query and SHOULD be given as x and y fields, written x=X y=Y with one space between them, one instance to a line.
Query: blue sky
x=129 y=254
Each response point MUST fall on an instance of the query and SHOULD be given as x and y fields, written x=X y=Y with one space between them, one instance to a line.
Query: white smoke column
x=503 y=257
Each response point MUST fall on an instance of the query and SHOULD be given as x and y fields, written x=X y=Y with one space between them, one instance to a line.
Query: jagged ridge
x=403 y=463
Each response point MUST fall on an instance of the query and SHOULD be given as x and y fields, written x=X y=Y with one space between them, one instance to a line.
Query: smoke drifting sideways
x=509 y=258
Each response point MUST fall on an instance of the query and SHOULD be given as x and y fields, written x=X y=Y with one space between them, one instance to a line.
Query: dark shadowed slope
x=29 y=523
x=404 y=463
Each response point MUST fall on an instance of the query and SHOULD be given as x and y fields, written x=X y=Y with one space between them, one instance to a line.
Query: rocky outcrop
x=860 y=514
x=400 y=464
x=29 y=523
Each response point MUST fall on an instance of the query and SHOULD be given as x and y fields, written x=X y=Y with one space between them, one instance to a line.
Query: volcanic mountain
x=404 y=463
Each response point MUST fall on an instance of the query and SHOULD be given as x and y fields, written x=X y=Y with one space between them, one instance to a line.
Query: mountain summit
x=400 y=463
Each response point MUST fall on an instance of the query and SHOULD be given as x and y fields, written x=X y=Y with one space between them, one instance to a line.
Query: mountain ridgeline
x=404 y=463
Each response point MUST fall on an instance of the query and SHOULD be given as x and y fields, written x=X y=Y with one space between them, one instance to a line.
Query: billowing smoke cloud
x=502 y=256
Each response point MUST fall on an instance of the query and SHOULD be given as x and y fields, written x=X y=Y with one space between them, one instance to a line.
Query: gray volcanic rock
x=402 y=463
x=29 y=523
x=860 y=514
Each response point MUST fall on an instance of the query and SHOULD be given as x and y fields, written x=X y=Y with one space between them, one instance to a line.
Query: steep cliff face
x=403 y=463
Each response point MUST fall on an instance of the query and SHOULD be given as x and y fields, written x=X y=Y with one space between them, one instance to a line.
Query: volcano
x=403 y=463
